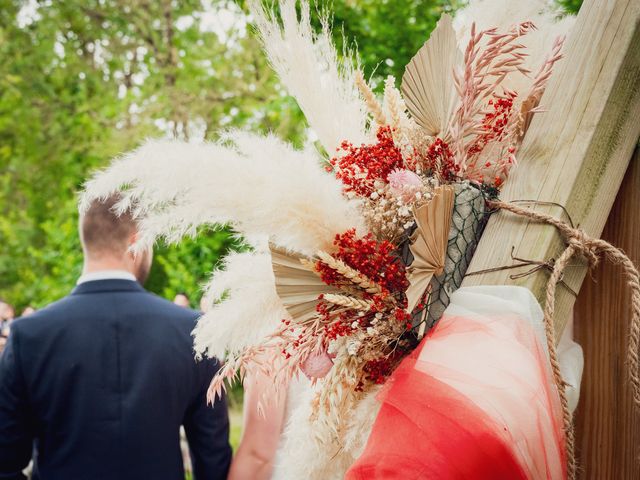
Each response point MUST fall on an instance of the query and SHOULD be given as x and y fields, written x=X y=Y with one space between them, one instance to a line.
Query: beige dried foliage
x=370 y=99
x=336 y=399
x=394 y=105
x=529 y=105
x=389 y=219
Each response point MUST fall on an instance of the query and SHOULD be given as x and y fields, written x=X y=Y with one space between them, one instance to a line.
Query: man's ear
x=133 y=239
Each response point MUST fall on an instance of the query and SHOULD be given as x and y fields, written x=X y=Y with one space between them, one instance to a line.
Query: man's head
x=107 y=239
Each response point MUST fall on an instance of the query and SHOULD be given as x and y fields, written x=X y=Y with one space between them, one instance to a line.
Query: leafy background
x=84 y=80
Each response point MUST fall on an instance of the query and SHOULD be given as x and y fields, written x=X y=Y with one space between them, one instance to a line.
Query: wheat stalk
x=347 y=301
x=394 y=103
x=370 y=99
x=347 y=287
x=346 y=271
x=308 y=264
x=336 y=400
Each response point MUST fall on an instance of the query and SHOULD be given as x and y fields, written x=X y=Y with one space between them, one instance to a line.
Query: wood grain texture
x=607 y=427
x=576 y=153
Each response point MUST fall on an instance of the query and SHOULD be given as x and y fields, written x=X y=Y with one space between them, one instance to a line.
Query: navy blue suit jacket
x=100 y=383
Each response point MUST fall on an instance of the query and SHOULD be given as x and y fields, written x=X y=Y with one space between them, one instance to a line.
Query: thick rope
x=592 y=249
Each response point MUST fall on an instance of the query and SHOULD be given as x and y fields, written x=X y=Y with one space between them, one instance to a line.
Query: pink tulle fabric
x=475 y=401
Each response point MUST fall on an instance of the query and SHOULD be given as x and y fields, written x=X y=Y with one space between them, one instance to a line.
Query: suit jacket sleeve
x=16 y=434
x=207 y=430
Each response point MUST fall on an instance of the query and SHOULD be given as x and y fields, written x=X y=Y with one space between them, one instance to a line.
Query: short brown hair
x=102 y=231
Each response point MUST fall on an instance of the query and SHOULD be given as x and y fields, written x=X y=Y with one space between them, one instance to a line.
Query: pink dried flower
x=317 y=365
x=404 y=184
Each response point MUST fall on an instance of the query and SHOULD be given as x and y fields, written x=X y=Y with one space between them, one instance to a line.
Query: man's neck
x=95 y=273
x=95 y=266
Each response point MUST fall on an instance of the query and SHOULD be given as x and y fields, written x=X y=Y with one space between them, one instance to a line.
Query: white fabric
x=571 y=360
x=106 y=275
x=488 y=299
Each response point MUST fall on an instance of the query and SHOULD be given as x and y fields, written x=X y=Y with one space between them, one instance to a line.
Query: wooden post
x=576 y=153
x=607 y=425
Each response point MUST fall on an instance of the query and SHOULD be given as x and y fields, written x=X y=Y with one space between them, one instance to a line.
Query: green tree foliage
x=84 y=80
x=80 y=82
x=387 y=33
x=570 y=6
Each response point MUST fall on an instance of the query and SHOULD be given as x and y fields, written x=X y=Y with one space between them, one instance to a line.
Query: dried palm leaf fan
x=297 y=285
x=430 y=96
x=429 y=243
x=427 y=83
x=468 y=219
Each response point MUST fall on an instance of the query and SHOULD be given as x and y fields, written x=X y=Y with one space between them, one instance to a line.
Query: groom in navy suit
x=97 y=385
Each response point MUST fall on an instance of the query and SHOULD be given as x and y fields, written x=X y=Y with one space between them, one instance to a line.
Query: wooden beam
x=607 y=424
x=576 y=153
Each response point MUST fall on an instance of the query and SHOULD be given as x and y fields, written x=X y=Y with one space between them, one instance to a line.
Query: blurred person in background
x=28 y=310
x=182 y=299
x=97 y=384
x=7 y=313
x=6 y=317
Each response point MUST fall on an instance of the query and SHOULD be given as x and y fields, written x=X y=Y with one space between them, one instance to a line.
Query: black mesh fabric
x=468 y=221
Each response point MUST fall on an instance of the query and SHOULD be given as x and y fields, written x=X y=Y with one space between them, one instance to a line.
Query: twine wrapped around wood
x=592 y=249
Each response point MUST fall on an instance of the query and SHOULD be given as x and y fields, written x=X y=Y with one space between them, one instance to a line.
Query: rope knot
x=585 y=246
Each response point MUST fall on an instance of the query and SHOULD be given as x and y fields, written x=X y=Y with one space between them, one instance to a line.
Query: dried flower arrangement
x=359 y=243
x=354 y=305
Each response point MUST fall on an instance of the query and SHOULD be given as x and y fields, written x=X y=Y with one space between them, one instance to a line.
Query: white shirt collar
x=106 y=275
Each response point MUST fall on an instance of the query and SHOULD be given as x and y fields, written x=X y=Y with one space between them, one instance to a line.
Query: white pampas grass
x=260 y=185
x=362 y=418
x=246 y=307
x=308 y=66
x=503 y=14
x=303 y=456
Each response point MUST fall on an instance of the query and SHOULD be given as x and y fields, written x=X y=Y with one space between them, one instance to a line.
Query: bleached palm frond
x=427 y=84
x=308 y=66
x=260 y=185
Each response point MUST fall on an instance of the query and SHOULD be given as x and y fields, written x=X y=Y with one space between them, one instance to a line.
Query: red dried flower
x=360 y=167
x=377 y=370
x=376 y=260
x=494 y=122
x=439 y=160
